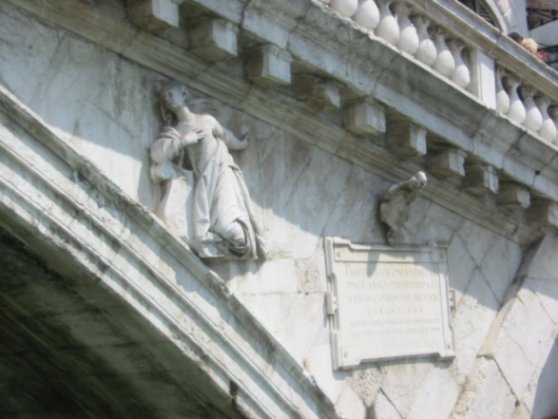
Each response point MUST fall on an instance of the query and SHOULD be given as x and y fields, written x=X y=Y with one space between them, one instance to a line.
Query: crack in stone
x=35 y=98
x=487 y=282
x=547 y=312
x=390 y=402
x=246 y=96
x=457 y=228
x=366 y=383
x=350 y=173
x=467 y=395
x=545 y=167
x=298 y=21
x=243 y=12
x=539 y=303
x=510 y=388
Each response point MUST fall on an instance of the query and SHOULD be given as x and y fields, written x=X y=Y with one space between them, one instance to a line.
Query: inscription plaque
x=386 y=302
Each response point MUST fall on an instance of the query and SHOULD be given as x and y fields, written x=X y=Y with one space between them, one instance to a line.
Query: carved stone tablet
x=386 y=302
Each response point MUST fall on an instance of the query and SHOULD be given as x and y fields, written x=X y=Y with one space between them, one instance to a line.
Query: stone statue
x=394 y=208
x=219 y=219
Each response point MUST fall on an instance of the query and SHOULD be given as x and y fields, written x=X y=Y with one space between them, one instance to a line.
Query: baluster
x=461 y=75
x=502 y=97
x=548 y=128
x=367 y=14
x=426 y=51
x=517 y=110
x=345 y=8
x=408 y=36
x=533 y=117
x=388 y=28
x=553 y=113
x=445 y=63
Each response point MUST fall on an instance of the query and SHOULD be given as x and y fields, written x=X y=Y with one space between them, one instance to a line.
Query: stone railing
x=399 y=25
x=402 y=25
x=444 y=36
x=526 y=106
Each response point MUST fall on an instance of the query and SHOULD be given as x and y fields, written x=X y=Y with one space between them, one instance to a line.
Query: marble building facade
x=129 y=289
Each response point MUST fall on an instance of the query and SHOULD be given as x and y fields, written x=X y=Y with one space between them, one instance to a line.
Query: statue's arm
x=166 y=146
x=231 y=140
x=170 y=142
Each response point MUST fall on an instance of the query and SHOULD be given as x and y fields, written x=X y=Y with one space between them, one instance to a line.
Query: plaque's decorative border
x=437 y=253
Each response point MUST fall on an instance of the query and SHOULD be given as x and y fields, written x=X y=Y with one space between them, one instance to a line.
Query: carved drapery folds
x=205 y=200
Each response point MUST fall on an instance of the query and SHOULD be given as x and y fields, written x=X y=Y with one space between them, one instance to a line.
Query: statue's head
x=174 y=96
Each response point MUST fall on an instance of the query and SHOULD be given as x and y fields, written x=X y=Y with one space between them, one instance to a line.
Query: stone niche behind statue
x=205 y=200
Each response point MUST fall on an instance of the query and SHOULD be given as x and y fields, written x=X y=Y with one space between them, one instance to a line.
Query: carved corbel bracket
x=512 y=196
x=545 y=213
x=365 y=117
x=318 y=92
x=269 y=65
x=214 y=39
x=481 y=179
x=155 y=15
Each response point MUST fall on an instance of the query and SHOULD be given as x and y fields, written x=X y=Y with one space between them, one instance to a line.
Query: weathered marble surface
x=113 y=249
x=87 y=95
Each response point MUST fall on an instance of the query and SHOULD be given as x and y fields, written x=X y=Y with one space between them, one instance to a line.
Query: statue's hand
x=192 y=137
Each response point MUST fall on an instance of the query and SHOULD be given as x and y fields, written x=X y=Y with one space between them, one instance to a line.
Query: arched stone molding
x=65 y=209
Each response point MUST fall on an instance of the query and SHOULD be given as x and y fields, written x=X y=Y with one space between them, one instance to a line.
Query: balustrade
x=388 y=29
x=405 y=28
x=408 y=35
x=401 y=26
x=367 y=14
x=426 y=51
x=526 y=106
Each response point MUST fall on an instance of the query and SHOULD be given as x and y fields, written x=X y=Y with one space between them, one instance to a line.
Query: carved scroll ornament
x=394 y=208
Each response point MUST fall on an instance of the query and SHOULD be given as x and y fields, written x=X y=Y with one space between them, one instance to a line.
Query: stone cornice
x=53 y=198
x=299 y=16
x=447 y=112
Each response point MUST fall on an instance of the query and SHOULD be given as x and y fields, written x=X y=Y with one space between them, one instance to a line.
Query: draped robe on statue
x=219 y=197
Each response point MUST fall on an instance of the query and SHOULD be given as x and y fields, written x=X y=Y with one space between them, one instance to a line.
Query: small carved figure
x=394 y=208
x=222 y=222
